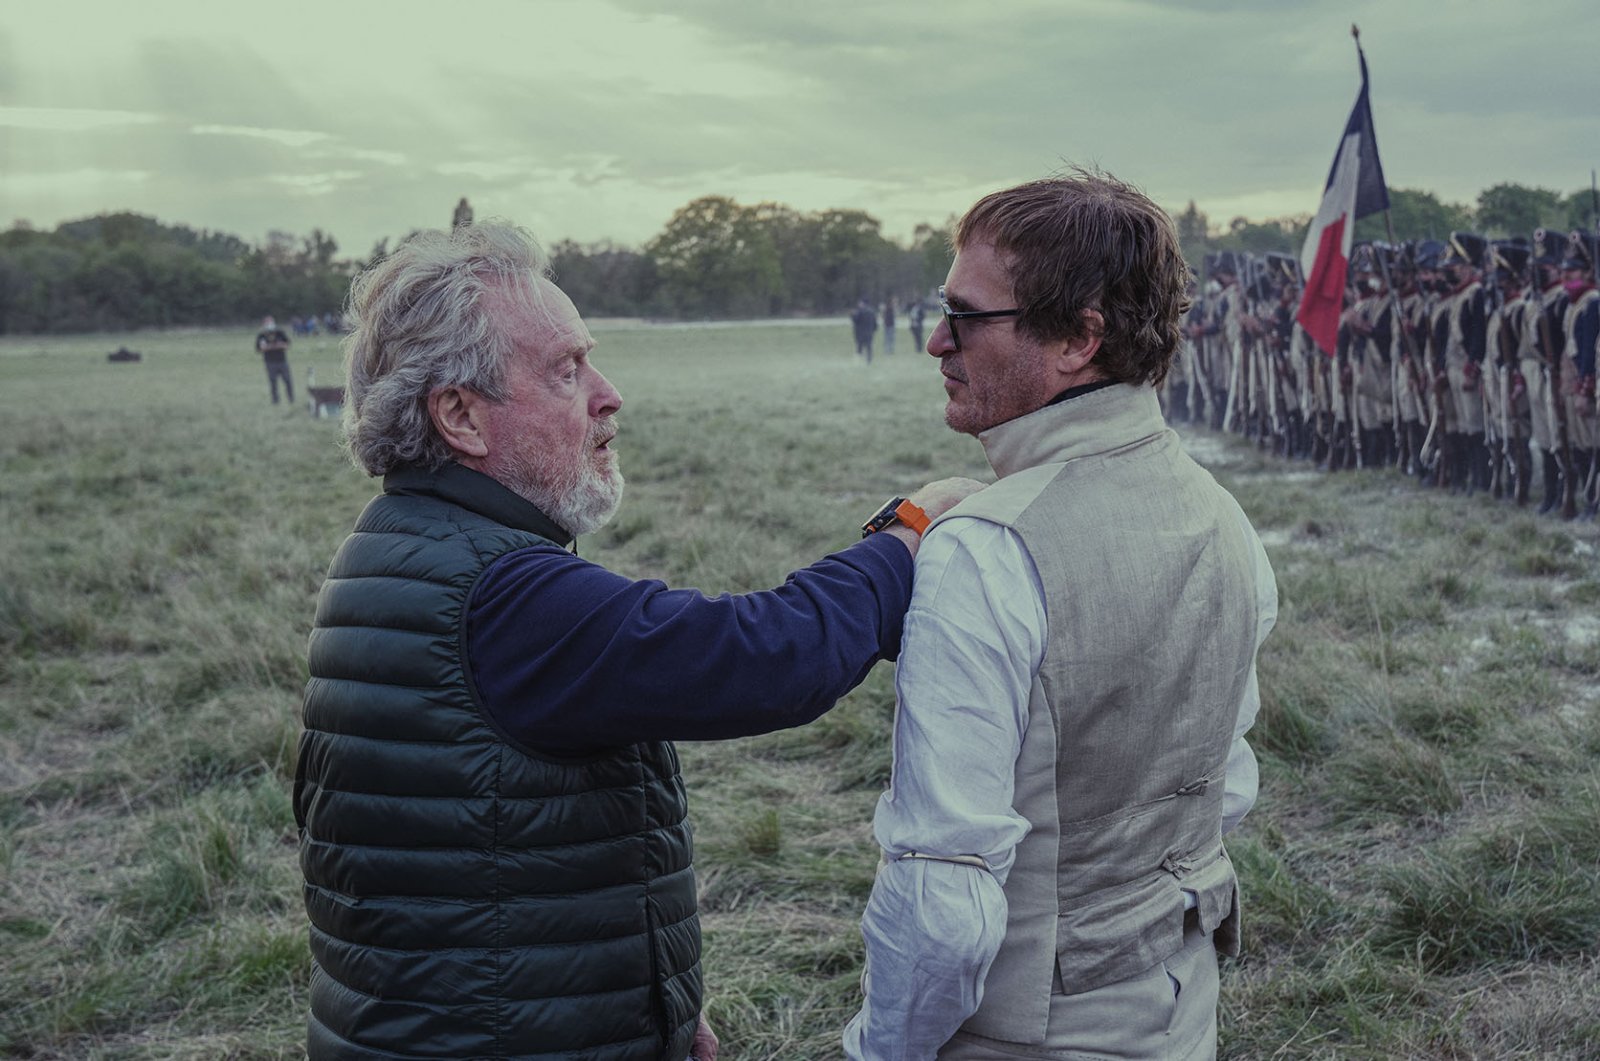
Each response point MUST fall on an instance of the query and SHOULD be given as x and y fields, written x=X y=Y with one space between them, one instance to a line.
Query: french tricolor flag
x=1355 y=189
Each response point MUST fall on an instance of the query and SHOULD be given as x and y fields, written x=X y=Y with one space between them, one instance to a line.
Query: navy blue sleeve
x=569 y=658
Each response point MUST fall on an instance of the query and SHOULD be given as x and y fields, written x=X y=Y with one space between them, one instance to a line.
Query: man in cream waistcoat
x=1077 y=671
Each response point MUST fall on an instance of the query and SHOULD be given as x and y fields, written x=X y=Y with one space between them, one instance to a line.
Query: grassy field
x=1421 y=875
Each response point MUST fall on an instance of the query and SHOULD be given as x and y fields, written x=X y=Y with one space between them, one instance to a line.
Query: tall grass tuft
x=1518 y=891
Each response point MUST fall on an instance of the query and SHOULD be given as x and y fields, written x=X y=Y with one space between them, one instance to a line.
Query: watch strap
x=896 y=510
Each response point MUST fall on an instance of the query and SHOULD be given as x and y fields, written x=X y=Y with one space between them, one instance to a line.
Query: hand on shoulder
x=935 y=499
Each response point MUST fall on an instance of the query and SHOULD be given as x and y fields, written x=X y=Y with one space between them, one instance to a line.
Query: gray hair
x=419 y=322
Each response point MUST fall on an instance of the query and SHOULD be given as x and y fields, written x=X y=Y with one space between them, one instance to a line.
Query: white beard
x=579 y=497
x=589 y=505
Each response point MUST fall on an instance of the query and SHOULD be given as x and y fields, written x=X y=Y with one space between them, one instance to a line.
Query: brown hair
x=1090 y=241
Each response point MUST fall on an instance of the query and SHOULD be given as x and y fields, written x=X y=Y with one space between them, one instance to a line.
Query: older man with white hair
x=493 y=834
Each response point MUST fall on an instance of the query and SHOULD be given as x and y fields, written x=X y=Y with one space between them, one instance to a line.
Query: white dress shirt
x=974 y=639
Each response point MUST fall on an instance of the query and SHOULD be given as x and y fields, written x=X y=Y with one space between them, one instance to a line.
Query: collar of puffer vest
x=1097 y=422
x=478 y=493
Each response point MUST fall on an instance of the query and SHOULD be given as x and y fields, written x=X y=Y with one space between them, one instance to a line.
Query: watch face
x=883 y=517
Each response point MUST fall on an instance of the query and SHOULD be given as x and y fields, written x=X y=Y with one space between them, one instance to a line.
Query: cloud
x=286 y=137
x=85 y=180
x=71 y=119
x=598 y=118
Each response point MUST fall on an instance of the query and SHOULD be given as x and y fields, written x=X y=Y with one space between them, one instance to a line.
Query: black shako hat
x=1465 y=248
x=1510 y=258
x=1429 y=254
x=1549 y=246
x=1578 y=251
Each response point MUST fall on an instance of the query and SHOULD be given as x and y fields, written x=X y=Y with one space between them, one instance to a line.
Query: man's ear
x=457 y=414
x=1074 y=356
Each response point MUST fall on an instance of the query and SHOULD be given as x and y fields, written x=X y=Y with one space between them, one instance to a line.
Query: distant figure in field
x=272 y=343
x=493 y=827
x=463 y=214
x=915 y=314
x=122 y=355
x=865 y=321
x=888 y=325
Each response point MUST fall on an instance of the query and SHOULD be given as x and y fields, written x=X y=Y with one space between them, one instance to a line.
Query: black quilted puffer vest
x=470 y=899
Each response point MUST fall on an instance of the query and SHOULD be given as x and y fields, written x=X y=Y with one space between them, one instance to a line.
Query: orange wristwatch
x=896 y=510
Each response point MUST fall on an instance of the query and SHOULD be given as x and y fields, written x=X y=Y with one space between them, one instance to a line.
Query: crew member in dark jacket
x=272 y=343
x=493 y=834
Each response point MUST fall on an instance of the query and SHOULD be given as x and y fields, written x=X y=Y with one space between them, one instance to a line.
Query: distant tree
x=12 y=282
x=319 y=248
x=715 y=260
x=124 y=270
x=1417 y=215
x=1194 y=235
x=45 y=297
x=854 y=258
x=1579 y=210
x=932 y=254
x=1282 y=234
x=1516 y=210
x=605 y=280
x=111 y=229
x=796 y=238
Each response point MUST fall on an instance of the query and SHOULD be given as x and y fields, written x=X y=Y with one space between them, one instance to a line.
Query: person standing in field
x=915 y=317
x=888 y=325
x=1077 y=672
x=272 y=343
x=864 y=321
x=493 y=828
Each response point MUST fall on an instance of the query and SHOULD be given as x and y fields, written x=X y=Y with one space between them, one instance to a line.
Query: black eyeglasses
x=953 y=315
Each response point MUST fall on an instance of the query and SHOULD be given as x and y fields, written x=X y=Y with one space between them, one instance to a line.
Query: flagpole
x=1383 y=267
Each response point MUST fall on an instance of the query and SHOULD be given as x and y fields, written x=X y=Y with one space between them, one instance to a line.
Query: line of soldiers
x=1467 y=363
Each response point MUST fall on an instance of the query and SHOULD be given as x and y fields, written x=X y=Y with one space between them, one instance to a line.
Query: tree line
x=1502 y=211
x=123 y=271
x=715 y=258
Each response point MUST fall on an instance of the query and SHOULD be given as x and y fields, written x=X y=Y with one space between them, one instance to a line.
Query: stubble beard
x=579 y=496
x=1011 y=390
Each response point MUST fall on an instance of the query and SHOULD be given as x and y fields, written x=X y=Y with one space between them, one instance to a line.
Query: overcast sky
x=596 y=119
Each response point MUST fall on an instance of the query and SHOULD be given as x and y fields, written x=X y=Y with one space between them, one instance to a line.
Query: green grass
x=1420 y=875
